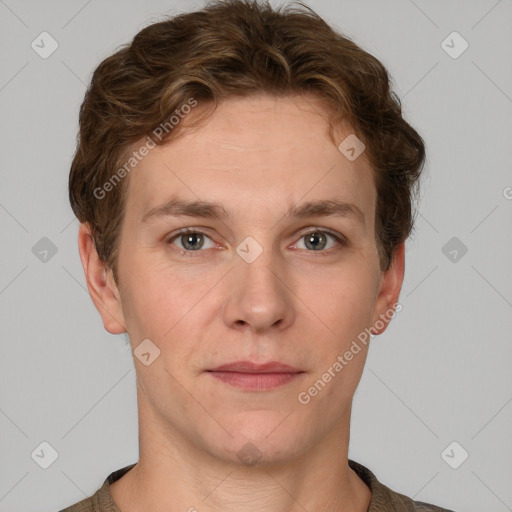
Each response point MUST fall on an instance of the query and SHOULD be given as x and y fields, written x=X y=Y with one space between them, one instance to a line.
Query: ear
x=389 y=292
x=101 y=285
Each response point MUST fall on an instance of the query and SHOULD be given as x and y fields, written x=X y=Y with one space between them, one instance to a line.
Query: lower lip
x=255 y=381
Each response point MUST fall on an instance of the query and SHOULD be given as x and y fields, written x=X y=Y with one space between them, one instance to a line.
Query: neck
x=176 y=474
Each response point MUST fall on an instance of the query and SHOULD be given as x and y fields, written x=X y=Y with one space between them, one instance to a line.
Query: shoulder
x=385 y=499
x=86 y=505
x=101 y=500
x=93 y=503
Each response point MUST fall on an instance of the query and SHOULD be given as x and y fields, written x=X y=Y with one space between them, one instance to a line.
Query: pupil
x=311 y=240
x=191 y=241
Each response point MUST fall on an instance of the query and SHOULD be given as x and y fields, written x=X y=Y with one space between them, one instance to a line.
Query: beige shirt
x=383 y=499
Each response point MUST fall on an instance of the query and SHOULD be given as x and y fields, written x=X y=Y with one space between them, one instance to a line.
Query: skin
x=293 y=304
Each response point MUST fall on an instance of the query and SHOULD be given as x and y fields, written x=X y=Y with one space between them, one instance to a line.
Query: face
x=285 y=268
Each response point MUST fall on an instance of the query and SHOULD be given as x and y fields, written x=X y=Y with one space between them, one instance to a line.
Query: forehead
x=256 y=153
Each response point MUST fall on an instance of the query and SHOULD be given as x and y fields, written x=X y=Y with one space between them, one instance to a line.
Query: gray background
x=440 y=373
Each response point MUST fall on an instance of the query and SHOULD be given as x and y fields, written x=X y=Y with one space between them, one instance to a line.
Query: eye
x=191 y=240
x=318 y=239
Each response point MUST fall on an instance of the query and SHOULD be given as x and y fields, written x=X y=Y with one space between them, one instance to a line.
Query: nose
x=259 y=296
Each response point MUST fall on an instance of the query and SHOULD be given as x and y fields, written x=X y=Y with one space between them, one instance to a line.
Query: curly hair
x=236 y=48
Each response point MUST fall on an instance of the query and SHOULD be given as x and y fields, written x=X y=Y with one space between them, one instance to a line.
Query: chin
x=260 y=438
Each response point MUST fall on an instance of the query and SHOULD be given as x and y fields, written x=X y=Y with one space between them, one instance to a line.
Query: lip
x=250 y=367
x=251 y=376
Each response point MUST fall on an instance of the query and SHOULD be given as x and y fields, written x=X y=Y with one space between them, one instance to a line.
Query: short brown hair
x=235 y=48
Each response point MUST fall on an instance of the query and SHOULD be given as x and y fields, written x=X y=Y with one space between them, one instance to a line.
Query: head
x=240 y=111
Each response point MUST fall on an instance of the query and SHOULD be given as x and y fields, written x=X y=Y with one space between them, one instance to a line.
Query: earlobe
x=101 y=286
x=389 y=292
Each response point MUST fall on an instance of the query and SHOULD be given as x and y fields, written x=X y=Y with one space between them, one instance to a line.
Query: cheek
x=152 y=305
x=163 y=300
x=344 y=307
x=344 y=302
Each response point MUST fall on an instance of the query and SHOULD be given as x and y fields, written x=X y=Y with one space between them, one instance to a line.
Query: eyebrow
x=326 y=207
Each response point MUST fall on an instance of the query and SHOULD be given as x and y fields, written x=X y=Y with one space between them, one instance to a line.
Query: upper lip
x=250 y=367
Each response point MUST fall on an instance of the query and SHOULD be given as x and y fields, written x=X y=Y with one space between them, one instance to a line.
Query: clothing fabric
x=383 y=498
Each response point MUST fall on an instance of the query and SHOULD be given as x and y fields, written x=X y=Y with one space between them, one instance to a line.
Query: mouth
x=256 y=377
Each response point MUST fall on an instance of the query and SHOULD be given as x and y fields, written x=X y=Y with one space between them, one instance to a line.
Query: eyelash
x=339 y=238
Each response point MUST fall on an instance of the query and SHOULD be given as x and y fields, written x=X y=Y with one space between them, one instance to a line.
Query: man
x=244 y=182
